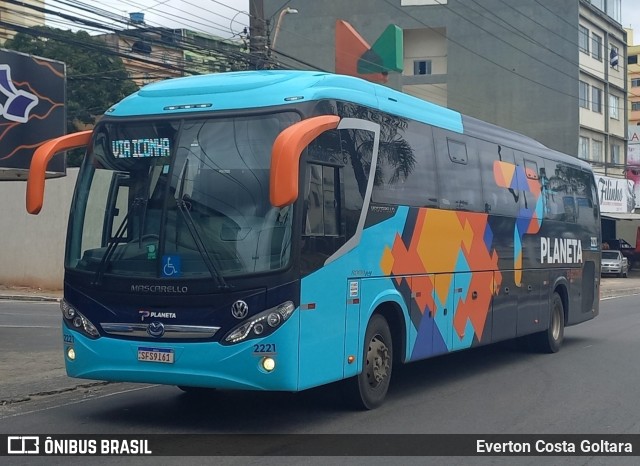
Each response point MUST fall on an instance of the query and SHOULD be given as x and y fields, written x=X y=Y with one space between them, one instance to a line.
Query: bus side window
x=320 y=201
x=458 y=171
x=569 y=194
x=407 y=169
x=499 y=199
x=531 y=177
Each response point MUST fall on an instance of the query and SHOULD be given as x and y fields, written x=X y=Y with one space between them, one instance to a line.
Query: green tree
x=96 y=78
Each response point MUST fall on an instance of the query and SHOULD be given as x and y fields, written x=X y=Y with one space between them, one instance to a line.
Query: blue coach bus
x=281 y=230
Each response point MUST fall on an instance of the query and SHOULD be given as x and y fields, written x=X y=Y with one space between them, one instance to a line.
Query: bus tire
x=368 y=389
x=550 y=340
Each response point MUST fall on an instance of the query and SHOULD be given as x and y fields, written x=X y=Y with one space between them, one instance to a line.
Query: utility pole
x=258 y=35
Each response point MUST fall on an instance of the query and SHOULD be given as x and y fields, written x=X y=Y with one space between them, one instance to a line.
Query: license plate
x=164 y=355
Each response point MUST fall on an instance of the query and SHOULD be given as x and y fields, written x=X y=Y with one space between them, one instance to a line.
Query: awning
x=619 y=216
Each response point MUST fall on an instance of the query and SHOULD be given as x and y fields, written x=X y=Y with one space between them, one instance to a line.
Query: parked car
x=613 y=262
x=629 y=251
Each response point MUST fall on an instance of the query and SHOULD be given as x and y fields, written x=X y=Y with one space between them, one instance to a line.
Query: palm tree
x=357 y=146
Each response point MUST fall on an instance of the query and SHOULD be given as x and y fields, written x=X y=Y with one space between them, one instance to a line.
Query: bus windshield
x=180 y=199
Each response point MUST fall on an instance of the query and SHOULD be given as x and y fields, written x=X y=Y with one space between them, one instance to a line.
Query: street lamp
x=286 y=11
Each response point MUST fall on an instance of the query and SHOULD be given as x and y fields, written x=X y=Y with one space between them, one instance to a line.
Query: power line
x=96 y=26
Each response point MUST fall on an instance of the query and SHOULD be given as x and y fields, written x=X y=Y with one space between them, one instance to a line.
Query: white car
x=613 y=262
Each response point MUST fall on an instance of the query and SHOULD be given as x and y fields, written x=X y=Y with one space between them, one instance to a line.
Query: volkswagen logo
x=239 y=309
x=156 y=329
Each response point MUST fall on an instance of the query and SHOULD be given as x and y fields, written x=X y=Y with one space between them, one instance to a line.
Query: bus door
x=336 y=191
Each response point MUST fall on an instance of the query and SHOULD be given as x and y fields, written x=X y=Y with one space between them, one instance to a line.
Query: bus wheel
x=369 y=388
x=550 y=340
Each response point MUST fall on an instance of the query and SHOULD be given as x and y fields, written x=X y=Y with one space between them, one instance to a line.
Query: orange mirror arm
x=40 y=160
x=285 y=156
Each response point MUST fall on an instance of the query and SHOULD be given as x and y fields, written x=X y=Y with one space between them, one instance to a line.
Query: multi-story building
x=633 y=53
x=155 y=53
x=148 y=54
x=552 y=69
x=19 y=15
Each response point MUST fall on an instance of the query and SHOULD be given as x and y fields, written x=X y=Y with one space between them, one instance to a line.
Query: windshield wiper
x=111 y=247
x=214 y=270
x=138 y=203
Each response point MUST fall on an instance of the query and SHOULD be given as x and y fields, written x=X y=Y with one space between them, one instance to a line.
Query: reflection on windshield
x=202 y=212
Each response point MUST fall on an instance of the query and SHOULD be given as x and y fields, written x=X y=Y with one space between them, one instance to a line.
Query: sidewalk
x=23 y=293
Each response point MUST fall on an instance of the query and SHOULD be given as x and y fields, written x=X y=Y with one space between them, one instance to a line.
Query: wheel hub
x=377 y=361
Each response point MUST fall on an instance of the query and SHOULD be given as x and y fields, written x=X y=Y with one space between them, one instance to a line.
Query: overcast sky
x=225 y=17
x=631 y=17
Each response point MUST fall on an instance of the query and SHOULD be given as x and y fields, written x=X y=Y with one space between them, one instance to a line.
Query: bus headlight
x=260 y=325
x=77 y=321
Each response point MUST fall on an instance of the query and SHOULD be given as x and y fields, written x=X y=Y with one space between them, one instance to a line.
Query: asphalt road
x=589 y=387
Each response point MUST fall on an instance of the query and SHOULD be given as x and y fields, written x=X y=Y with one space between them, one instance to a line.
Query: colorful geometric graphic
x=442 y=242
x=354 y=56
x=522 y=181
x=448 y=262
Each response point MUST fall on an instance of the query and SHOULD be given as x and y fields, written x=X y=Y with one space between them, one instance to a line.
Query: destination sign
x=141 y=148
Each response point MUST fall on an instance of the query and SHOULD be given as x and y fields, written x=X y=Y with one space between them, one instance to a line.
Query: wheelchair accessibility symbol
x=171 y=266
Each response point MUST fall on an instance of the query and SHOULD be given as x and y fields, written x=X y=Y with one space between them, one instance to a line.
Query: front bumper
x=203 y=364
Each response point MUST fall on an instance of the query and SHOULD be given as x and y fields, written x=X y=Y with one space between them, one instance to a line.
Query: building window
x=615 y=154
x=596 y=99
x=141 y=47
x=421 y=67
x=584 y=94
x=635 y=106
x=597 y=151
x=635 y=82
x=614 y=57
x=583 y=149
x=583 y=39
x=614 y=105
x=596 y=45
x=614 y=9
x=632 y=59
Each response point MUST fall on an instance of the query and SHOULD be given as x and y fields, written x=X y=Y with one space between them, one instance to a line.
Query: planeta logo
x=153 y=314
x=560 y=251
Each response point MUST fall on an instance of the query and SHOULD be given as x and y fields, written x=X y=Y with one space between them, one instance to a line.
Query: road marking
x=29 y=326
x=619 y=296
x=78 y=401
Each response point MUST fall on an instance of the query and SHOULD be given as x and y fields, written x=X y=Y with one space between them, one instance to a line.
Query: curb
x=29 y=298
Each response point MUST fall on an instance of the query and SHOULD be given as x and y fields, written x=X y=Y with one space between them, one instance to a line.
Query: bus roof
x=257 y=89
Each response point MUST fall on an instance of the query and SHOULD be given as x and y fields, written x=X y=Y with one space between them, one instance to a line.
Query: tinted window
x=406 y=172
x=321 y=202
x=569 y=194
x=500 y=194
x=458 y=171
